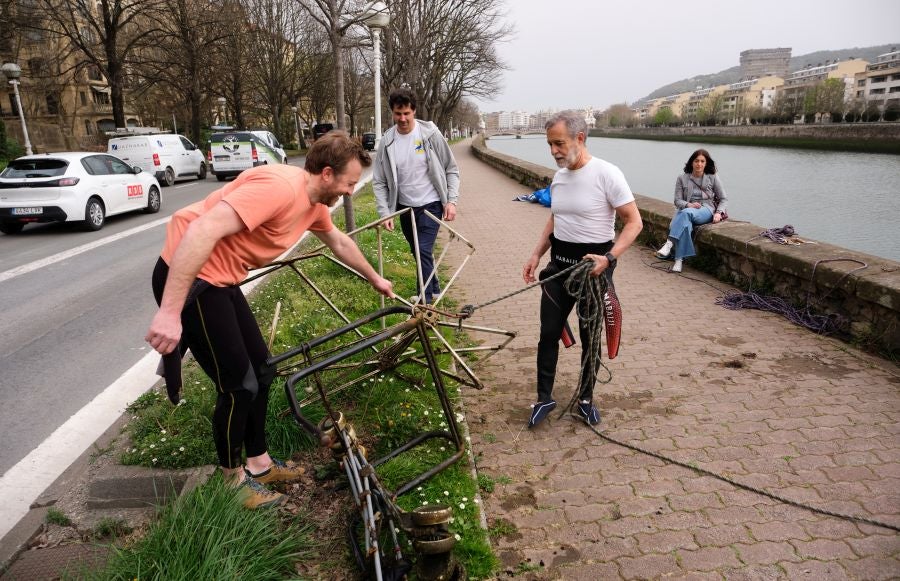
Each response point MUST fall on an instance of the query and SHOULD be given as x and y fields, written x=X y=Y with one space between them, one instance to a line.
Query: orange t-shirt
x=272 y=202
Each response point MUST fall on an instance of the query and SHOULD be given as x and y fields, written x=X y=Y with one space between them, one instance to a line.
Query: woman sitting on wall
x=699 y=199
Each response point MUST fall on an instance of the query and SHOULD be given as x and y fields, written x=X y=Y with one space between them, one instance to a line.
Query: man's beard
x=331 y=198
x=569 y=160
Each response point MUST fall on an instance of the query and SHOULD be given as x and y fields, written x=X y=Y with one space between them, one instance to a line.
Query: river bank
x=857 y=137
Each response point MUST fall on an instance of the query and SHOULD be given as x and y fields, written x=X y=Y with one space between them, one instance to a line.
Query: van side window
x=187 y=144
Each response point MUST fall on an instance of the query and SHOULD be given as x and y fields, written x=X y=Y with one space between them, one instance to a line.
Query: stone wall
x=45 y=137
x=861 y=137
x=866 y=301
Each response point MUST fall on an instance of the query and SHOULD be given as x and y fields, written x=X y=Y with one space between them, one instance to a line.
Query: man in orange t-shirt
x=210 y=247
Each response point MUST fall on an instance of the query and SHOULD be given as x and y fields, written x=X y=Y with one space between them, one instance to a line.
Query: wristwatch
x=612 y=259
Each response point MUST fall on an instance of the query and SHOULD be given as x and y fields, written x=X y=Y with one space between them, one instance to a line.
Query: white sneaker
x=677 y=266
x=665 y=250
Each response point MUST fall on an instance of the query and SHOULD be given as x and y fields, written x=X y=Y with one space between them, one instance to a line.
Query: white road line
x=25 y=481
x=32 y=266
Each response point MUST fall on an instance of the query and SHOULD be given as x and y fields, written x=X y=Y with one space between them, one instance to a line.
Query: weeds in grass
x=502 y=528
x=207 y=534
x=485 y=483
x=57 y=517
x=111 y=527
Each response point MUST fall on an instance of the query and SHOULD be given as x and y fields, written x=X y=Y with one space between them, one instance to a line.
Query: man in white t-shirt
x=586 y=196
x=415 y=169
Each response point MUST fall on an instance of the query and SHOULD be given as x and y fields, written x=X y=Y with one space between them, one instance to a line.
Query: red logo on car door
x=135 y=191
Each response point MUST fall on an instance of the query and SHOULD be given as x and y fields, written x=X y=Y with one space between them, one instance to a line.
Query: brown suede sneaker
x=254 y=495
x=279 y=473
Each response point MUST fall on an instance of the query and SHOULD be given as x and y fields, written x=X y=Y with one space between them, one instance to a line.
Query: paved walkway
x=741 y=393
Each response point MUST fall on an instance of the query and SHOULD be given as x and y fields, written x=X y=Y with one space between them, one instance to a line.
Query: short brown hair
x=335 y=149
x=401 y=98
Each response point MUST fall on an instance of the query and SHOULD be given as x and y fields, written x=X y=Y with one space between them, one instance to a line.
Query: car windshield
x=35 y=168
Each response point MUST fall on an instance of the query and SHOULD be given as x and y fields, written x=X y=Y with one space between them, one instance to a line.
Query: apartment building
x=879 y=84
x=765 y=62
x=797 y=83
x=694 y=104
x=66 y=104
x=743 y=97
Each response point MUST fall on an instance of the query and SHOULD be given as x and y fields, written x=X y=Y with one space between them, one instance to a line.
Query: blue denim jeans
x=683 y=225
x=426 y=232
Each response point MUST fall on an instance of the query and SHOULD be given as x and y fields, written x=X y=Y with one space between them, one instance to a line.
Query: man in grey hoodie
x=415 y=169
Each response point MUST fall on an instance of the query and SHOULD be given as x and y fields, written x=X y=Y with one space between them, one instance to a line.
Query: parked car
x=231 y=152
x=170 y=157
x=73 y=187
x=320 y=129
x=368 y=141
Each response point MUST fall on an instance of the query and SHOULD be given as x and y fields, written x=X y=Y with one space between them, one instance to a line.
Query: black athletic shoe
x=540 y=411
x=588 y=413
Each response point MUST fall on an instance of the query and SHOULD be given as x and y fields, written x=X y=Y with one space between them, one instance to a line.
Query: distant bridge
x=511 y=132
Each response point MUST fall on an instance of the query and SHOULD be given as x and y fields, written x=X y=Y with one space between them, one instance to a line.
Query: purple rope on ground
x=822 y=324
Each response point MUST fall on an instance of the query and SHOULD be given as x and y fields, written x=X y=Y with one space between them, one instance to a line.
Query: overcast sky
x=579 y=53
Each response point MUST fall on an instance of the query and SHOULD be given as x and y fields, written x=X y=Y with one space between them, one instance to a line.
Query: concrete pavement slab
x=743 y=393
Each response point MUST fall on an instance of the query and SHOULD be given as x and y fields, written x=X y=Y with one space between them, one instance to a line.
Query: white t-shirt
x=414 y=187
x=583 y=201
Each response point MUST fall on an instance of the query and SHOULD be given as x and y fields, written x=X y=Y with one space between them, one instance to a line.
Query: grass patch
x=111 y=528
x=387 y=409
x=57 y=517
x=502 y=528
x=485 y=483
x=208 y=535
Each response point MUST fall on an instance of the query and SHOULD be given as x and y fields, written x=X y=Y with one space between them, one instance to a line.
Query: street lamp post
x=377 y=18
x=222 y=101
x=12 y=71
x=296 y=125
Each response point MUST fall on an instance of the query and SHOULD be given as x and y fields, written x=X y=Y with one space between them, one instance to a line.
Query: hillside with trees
x=733 y=74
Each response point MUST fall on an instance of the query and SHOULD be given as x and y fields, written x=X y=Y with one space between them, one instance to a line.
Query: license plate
x=27 y=211
x=222 y=157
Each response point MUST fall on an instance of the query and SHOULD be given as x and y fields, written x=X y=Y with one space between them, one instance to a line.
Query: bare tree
x=179 y=61
x=445 y=50
x=317 y=89
x=275 y=56
x=106 y=33
x=336 y=17
x=358 y=91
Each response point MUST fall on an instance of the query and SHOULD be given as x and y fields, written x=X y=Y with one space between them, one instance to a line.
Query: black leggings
x=556 y=304
x=219 y=329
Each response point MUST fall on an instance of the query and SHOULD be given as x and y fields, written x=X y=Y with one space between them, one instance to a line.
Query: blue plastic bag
x=542 y=196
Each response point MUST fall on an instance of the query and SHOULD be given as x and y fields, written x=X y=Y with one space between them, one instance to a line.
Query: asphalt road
x=71 y=327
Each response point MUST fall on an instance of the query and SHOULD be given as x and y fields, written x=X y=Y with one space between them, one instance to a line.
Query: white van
x=231 y=152
x=166 y=156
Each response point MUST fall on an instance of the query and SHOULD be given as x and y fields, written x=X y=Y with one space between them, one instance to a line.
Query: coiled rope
x=589 y=306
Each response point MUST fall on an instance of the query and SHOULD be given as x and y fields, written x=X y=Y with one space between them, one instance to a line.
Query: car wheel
x=220 y=178
x=154 y=202
x=94 y=214
x=11 y=227
x=169 y=177
x=201 y=175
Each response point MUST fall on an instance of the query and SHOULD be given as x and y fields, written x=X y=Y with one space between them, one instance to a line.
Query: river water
x=847 y=199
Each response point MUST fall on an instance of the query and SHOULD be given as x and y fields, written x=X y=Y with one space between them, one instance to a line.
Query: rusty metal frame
x=461 y=371
x=415 y=323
